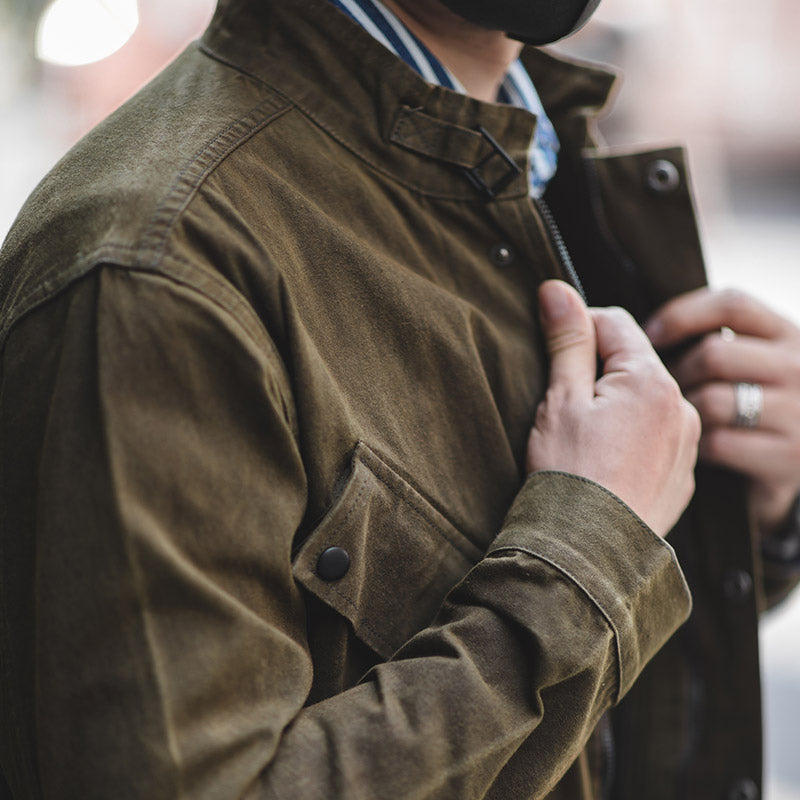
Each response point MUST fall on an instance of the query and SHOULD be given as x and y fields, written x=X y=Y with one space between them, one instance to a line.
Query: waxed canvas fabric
x=260 y=312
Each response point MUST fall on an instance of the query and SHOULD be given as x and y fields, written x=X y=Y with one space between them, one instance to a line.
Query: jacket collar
x=379 y=108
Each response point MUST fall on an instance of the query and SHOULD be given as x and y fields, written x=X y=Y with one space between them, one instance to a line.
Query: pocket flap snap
x=383 y=556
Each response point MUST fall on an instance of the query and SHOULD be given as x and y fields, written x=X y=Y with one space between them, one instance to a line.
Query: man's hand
x=631 y=430
x=740 y=341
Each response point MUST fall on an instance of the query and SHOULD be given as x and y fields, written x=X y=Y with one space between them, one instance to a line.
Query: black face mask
x=532 y=21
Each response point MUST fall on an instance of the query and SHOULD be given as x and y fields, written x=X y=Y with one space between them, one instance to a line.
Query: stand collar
x=382 y=110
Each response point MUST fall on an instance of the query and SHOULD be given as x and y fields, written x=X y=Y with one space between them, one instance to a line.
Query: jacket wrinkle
x=317 y=379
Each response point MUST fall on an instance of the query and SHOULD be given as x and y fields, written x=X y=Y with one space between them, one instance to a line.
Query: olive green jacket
x=269 y=362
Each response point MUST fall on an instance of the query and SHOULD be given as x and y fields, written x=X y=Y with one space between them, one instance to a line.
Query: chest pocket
x=395 y=556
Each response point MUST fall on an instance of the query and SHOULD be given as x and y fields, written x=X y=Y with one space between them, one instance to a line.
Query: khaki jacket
x=269 y=363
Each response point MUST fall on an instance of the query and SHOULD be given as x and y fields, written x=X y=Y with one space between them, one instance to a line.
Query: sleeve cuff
x=781 y=550
x=594 y=539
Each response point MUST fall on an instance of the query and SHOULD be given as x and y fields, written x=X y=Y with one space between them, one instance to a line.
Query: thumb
x=570 y=336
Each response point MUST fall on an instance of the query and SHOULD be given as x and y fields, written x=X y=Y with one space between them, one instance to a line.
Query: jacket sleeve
x=152 y=484
x=780 y=559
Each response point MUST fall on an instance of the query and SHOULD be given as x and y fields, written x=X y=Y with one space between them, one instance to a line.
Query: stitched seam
x=360 y=620
x=422 y=513
x=429 y=144
x=234 y=305
x=153 y=241
x=467 y=197
x=579 y=584
x=335 y=134
x=621 y=503
x=428 y=505
x=108 y=256
x=199 y=166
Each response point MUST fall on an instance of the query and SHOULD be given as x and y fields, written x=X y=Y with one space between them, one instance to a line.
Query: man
x=274 y=340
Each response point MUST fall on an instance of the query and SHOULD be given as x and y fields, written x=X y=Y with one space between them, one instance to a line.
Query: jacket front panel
x=300 y=216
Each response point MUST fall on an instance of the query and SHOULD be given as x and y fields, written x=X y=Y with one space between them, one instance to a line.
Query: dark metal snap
x=663 y=176
x=333 y=564
x=737 y=585
x=744 y=789
x=502 y=255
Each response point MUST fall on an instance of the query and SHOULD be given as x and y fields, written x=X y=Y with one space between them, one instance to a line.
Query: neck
x=478 y=57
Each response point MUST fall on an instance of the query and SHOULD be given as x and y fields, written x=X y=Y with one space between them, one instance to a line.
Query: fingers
x=631 y=431
x=570 y=336
x=743 y=358
x=757 y=453
x=771 y=460
x=760 y=347
x=716 y=404
x=620 y=340
x=706 y=310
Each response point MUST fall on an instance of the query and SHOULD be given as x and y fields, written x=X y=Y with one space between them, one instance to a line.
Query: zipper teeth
x=558 y=241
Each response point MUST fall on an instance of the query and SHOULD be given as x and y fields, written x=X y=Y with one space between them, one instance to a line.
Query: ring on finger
x=748 y=404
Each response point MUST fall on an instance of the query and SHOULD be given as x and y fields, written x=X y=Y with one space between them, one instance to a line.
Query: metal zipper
x=558 y=242
x=606 y=732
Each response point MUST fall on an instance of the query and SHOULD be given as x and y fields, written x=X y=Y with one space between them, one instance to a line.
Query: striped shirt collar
x=517 y=88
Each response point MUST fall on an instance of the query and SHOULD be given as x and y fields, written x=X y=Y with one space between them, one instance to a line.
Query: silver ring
x=749 y=403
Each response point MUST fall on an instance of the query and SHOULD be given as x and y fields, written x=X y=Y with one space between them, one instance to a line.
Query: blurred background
x=717 y=75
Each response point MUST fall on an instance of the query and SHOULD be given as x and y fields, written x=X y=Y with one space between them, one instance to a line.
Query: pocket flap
x=404 y=555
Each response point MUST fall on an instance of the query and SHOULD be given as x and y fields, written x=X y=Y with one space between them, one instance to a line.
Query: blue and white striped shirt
x=517 y=88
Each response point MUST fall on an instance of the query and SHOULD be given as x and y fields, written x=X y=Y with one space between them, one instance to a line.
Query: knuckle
x=793 y=366
x=709 y=402
x=733 y=301
x=556 y=407
x=669 y=404
x=714 y=443
x=673 y=402
x=664 y=387
x=710 y=354
x=691 y=485
x=544 y=417
x=615 y=317
x=620 y=315
x=555 y=399
x=650 y=371
x=565 y=340
x=694 y=422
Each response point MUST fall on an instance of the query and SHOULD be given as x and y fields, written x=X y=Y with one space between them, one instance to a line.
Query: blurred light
x=633 y=14
x=74 y=32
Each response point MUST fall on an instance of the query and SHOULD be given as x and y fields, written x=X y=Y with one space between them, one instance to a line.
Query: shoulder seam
x=198 y=168
x=150 y=248
x=207 y=285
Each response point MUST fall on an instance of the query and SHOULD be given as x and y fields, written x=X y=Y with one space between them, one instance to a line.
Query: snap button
x=502 y=255
x=663 y=176
x=744 y=789
x=333 y=563
x=737 y=585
